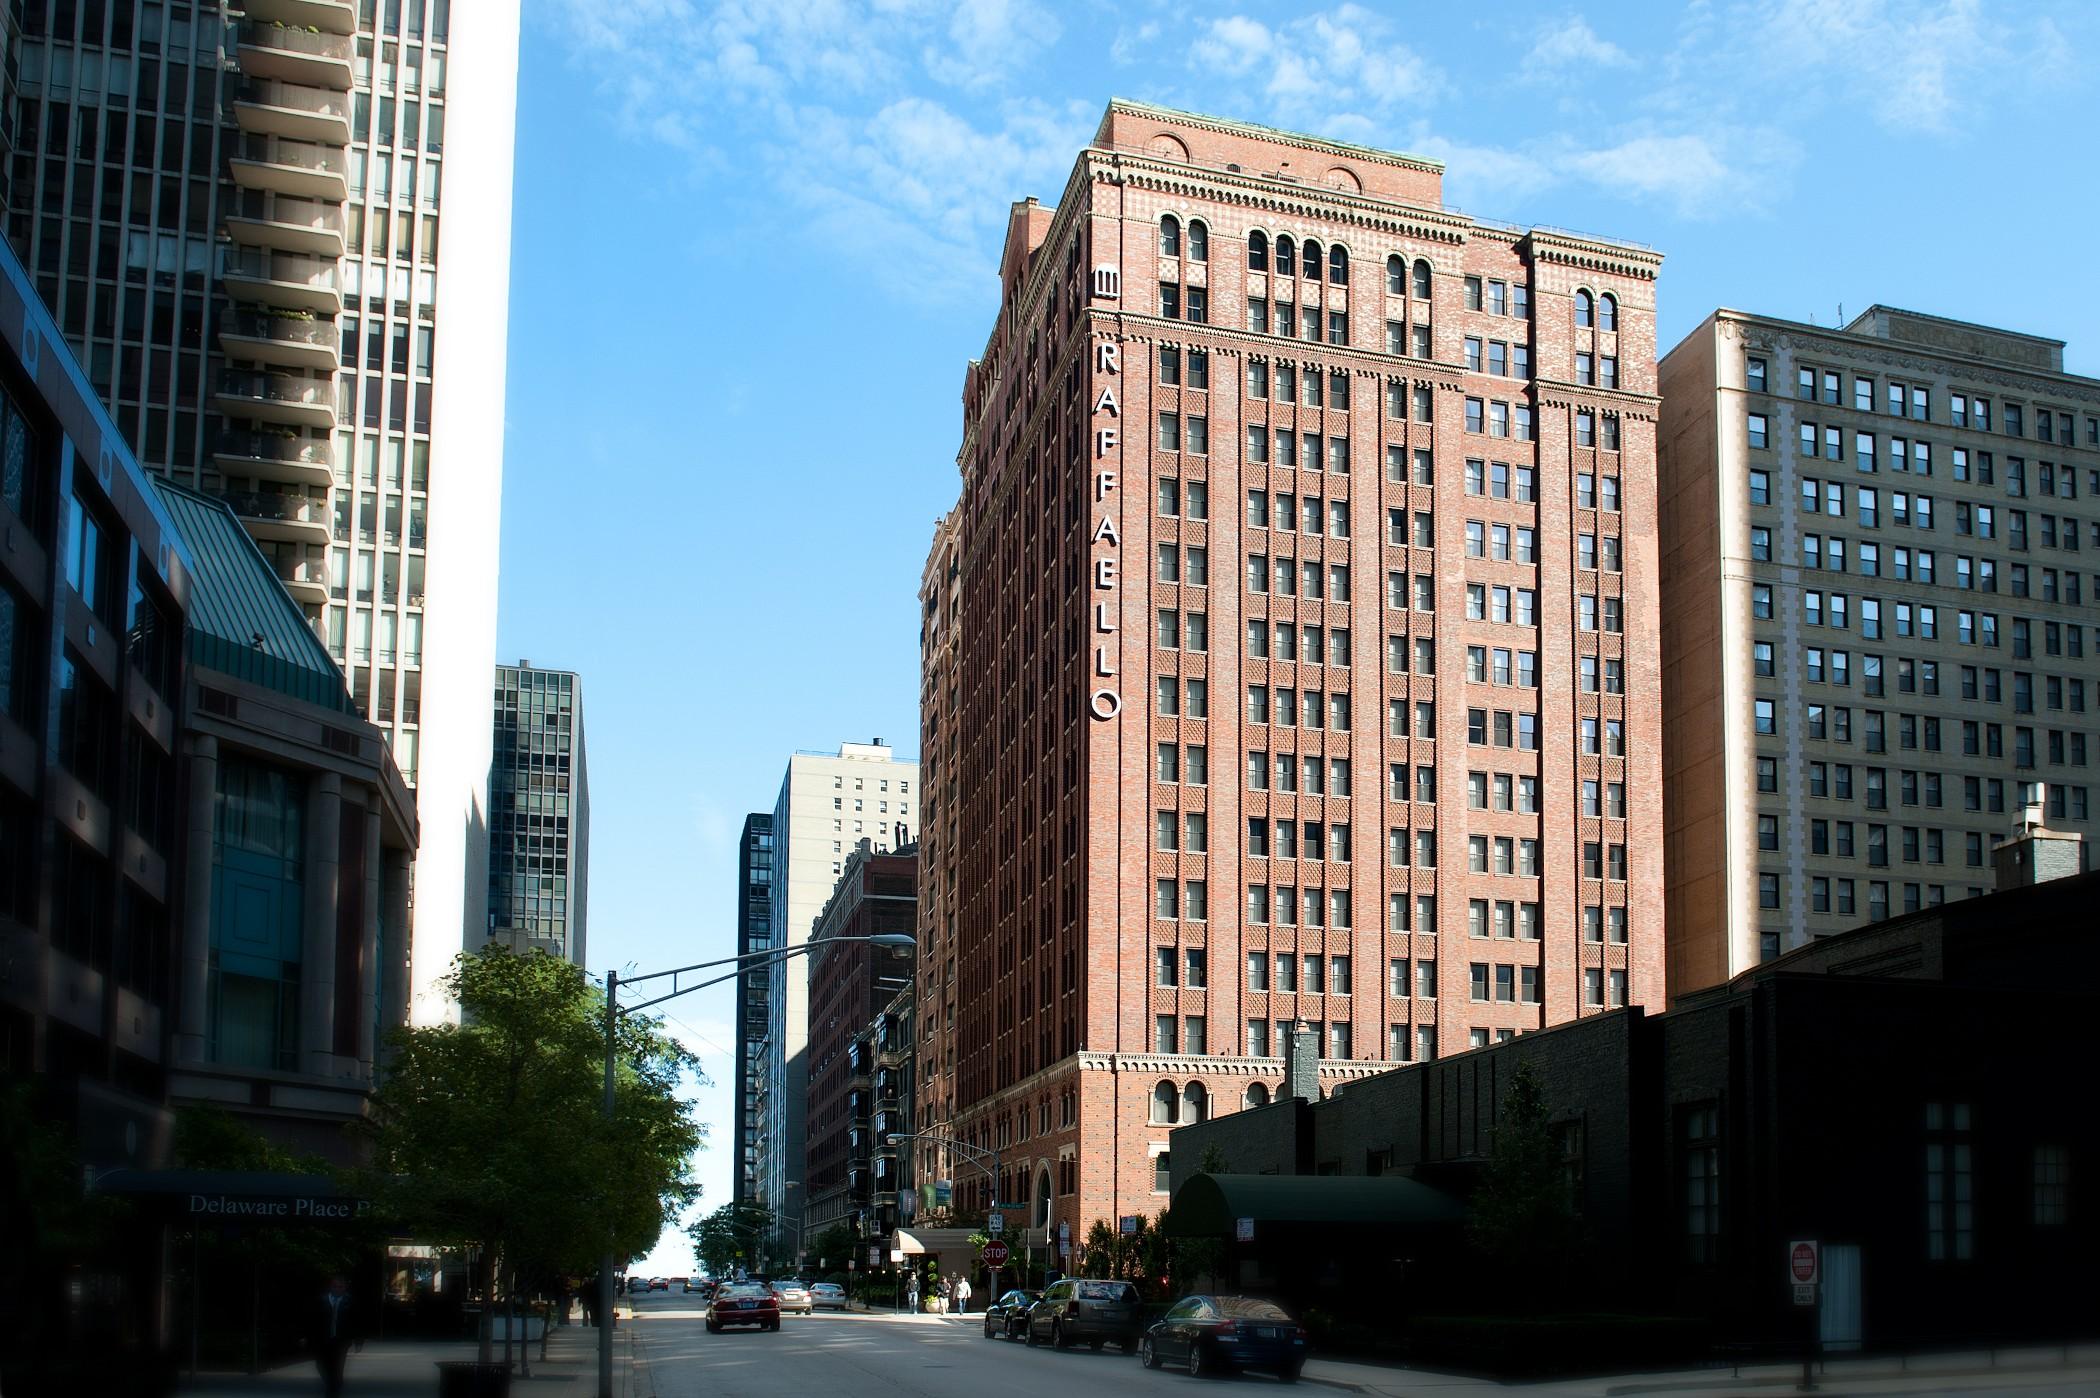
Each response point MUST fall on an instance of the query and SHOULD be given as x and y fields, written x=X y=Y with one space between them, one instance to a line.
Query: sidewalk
x=399 y=1368
x=2037 y=1369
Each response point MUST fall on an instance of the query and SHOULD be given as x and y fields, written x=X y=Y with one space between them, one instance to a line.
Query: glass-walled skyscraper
x=539 y=813
x=234 y=213
x=754 y=932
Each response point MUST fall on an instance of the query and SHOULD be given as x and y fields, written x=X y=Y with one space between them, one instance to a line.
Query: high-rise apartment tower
x=235 y=214
x=1290 y=655
x=539 y=813
x=828 y=803
x=1883 y=553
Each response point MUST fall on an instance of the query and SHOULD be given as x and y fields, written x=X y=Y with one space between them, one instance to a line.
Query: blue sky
x=755 y=247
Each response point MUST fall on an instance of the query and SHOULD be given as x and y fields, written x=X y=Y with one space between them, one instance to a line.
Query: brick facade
x=1083 y=832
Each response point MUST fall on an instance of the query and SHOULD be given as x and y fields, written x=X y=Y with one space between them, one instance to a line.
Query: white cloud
x=1133 y=45
x=1233 y=44
x=990 y=39
x=1572 y=44
x=1715 y=173
x=839 y=107
x=1340 y=66
x=1918 y=66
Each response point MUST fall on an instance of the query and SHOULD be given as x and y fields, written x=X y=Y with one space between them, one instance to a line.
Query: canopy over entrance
x=237 y=1196
x=1211 y=1206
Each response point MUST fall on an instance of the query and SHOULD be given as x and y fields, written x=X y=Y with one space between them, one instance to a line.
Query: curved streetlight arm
x=977 y=1156
x=614 y=1009
x=888 y=939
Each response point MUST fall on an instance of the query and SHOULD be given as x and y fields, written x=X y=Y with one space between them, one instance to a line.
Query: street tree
x=730 y=1235
x=1524 y=1223
x=491 y=1133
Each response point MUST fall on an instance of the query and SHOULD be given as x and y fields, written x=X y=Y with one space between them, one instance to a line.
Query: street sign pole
x=1804 y=1268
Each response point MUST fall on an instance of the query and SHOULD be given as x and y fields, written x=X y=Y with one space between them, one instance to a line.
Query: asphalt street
x=875 y=1356
x=830 y=1355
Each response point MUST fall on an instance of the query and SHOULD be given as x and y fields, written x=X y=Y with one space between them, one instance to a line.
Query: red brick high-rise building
x=1290 y=655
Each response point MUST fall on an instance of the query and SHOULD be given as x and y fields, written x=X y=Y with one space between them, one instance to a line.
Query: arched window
x=1422 y=279
x=1286 y=257
x=1257 y=251
x=1196 y=1104
x=1164 y=1101
x=1395 y=276
x=1041 y=1202
x=1169 y=236
x=1607 y=312
x=1338 y=265
x=1585 y=308
x=1199 y=240
x=1257 y=1094
x=1312 y=260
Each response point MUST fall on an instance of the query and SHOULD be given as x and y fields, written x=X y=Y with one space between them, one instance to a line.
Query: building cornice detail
x=1320 y=203
x=1221 y=126
x=1594 y=256
x=1145 y=328
x=1849 y=348
x=1557 y=393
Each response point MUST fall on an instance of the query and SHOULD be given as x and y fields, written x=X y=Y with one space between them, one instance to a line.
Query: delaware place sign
x=287 y=1208
x=1104 y=703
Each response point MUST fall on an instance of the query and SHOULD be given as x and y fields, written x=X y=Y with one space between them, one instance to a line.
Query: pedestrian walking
x=947 y=1294
x=962 y=1295
x=913 y=1292
x=590 y=1301
x=561 y=1301
x=333 y=1329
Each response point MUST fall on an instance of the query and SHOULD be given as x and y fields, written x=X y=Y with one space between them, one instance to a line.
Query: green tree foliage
x=730 y=1236
x=1144 y=1258
x=829 y=1250
x=490 y=1133
x=1524 y=1223
x=49 y=1225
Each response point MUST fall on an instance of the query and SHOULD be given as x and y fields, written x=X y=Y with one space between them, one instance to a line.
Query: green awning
x=1210 y=1206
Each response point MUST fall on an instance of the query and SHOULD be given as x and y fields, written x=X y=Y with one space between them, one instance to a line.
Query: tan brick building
x=1883 y=555
x=1290 y=654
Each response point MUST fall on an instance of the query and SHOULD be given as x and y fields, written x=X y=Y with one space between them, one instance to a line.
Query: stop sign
x=995 y=1253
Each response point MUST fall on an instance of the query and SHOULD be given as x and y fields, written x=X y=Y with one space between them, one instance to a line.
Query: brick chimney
x=1301 y=1062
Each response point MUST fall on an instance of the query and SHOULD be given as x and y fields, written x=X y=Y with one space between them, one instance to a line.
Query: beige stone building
x=1881 y=550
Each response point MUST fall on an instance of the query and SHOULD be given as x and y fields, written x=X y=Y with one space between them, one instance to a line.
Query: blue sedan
x=1213 y=1334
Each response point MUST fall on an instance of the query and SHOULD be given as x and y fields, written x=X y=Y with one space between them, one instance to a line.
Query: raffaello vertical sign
x=1105 y=702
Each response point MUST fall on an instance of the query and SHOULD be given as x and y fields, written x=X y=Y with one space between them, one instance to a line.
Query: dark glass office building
x=539 y=812
x=754 y=923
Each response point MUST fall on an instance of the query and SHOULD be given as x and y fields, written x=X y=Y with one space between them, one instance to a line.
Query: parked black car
x=1212 y=1334
x=1006 y=1317
x=1080 y=1309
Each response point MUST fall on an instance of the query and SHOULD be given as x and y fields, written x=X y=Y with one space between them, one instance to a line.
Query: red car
x=743 y=1305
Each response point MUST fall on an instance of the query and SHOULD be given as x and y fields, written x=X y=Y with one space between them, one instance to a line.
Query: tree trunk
x=486 y=1349
x=518 y=1319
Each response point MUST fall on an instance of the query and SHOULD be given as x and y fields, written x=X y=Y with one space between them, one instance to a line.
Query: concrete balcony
x=286 y=399
x=260 y=336
x=285 y=223
x=306 y=580
x=329 y=16
x=283 y=458
x=301 y=169
x=292 y=281
x=266 y=107
x=295 y=55
x=281 y=517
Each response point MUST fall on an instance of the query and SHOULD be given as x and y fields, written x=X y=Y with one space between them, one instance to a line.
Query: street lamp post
x=613 y=1010
x=977 y=1156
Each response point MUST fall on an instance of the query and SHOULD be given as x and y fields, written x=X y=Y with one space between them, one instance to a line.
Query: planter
x=469 y=1378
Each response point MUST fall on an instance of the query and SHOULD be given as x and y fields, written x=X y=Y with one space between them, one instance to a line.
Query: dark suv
x=1081 y=1309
